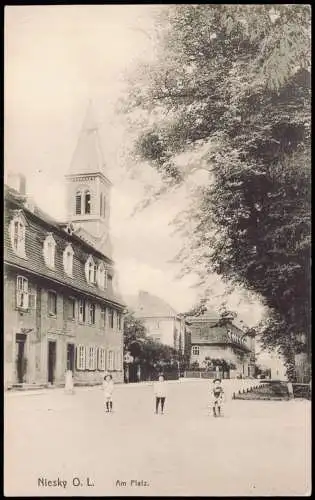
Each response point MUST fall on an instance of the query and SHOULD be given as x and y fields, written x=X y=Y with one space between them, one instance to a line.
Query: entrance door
x=70 y=357
x=51 y=361
x=20 y=357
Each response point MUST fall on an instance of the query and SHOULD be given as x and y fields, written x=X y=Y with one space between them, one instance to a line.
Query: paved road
x=257 y=448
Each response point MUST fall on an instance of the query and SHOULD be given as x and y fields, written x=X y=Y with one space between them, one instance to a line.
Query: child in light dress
x=160 y=392
x=108 y=388
x=216 y=397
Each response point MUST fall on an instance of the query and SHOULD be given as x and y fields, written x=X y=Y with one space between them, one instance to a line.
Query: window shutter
x=32 y=301
x=78 y=357
x=99 y=358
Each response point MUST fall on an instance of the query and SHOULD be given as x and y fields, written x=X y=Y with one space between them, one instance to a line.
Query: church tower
x=89 y=189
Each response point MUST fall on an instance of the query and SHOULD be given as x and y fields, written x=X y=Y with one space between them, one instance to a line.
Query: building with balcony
x=214 y=339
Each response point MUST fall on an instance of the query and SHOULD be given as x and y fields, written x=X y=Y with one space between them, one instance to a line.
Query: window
x=17 y=234
x=87 y=202
x=101 y=358
x=118 y=361
x=103 y=317
x=110 y=364
x=52 y=303
x=78 y=203
x=90 y=270
x=71 y=308
x=81 y=311
x=195 y=350
x=102 y=276
x=119 y=321
x=101 y=204
x=92 y=351
x=22 y=295
x=68 y=260
x=92 y=314
x=111 y=318
x=81 y=352
x=49 y=251
x=104 y=206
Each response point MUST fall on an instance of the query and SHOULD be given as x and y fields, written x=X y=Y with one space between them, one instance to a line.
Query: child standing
x=108 y=387
x=217 y=397
x=160 y=392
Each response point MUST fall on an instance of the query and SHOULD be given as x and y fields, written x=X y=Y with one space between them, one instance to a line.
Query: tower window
x=87 y=202
x=101 y=205
x=104 y=206
x=78 y=199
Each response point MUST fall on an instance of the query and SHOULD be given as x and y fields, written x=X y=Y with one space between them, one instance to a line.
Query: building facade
x=162 y=322
x=214 y=339
x=61 y=309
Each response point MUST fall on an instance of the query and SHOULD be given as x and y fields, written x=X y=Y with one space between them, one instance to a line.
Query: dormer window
x=102 y=276
x=17 y=234
x=90 y=270
x=68 y=260
x=49 y=251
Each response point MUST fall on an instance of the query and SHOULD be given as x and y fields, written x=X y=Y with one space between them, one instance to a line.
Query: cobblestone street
x=258 y=448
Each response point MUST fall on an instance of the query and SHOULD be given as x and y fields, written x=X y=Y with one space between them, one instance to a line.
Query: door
x=51 y=361
x=70 y=357
x=20 y=357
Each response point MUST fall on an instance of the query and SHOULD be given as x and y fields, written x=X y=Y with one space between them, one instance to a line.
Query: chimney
x=17 y=182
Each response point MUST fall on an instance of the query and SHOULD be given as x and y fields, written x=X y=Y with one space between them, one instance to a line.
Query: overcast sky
x=57 y=58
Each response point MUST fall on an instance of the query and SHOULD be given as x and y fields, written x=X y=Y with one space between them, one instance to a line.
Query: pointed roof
x=147 y=305
x=88 y=155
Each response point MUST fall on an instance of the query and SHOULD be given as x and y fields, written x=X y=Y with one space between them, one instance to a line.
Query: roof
x=88 y=155
x=214 y=334
x=14 y=197
x=146 y=305
x=208 y=316
x=36 y=232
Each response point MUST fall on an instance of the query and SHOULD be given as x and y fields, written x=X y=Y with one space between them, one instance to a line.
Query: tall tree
x=231 y=86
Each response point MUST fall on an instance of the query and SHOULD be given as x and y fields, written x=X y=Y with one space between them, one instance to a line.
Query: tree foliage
x=231 y=86
x=143 y=349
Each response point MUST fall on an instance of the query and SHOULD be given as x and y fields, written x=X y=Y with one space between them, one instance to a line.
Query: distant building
x=217 y=339
x=162 y=322
x=61 y=309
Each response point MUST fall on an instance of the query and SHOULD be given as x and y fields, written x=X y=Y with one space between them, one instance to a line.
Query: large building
x=61 y=309
x=162 y=322
x=215 y=339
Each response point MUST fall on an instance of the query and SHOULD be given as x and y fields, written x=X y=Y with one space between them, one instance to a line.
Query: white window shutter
x=78 y=357
x=32 y=301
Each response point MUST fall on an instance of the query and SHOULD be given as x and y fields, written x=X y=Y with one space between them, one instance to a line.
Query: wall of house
x=60 y=329
x=161 y=330
x=223 y=352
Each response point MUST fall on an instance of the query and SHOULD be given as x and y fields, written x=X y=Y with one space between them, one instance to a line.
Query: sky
x=57 y=58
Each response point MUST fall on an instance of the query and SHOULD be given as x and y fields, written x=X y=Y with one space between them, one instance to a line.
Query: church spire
x=88 y=155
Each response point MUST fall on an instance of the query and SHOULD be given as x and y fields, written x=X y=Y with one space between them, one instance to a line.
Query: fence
x=206 y=374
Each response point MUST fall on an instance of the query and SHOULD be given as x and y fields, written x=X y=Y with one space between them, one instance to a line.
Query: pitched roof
x=36 y=233
x=88 y=155
x=146 y=305
x=208 y=316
